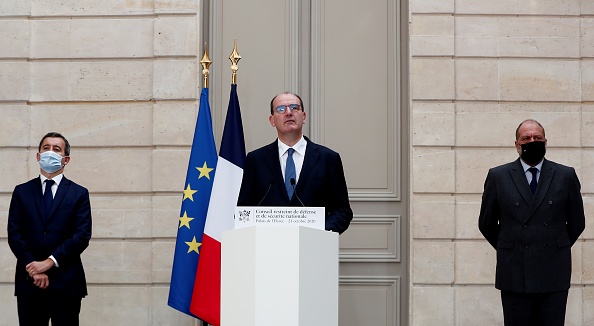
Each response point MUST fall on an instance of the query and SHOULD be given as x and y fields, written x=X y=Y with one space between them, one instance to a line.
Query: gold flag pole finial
x=205 y=64
x=234 y=57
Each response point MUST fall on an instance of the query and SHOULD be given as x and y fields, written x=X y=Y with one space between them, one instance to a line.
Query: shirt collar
x=56 y=179
x=526 y=166
x=299 y=147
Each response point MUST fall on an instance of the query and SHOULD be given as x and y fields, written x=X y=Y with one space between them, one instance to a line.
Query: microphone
x=295 y=192
x=266 y=194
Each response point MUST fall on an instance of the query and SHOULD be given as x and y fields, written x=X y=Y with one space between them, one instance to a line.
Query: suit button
x=546 y=245
x=546 y=224
x=525 y=226
x=517 y=204
x=550 y=202
x=526 y=246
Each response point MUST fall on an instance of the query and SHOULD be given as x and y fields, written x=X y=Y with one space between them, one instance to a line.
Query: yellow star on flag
x=193 y=245
x=189 y=193
x=204 y=171
x=185 y=220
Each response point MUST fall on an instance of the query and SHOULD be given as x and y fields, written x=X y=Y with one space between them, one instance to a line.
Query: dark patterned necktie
x=48 y=198
x=533 y=182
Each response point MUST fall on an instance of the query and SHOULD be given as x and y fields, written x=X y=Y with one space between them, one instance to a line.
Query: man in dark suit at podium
x=294 y=171
x=49 y=226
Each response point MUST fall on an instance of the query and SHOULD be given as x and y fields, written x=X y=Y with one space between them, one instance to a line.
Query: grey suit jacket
x=532 y=234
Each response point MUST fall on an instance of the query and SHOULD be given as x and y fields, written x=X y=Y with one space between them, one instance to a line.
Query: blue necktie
x=290 y=173
x=48 y=198
x=533 y=182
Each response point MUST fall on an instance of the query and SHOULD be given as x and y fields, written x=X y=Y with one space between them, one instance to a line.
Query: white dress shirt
x=298 y=156
x=56 y=179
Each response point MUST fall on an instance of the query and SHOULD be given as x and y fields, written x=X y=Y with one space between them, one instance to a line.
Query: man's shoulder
x=72 y=184
x=29 y=183
x=506 y=166
x=35 y=182
x=26 y=188
x=273 y=148
x=547 y=164
x=264 y=149
x=321 y=149
x=557 y=166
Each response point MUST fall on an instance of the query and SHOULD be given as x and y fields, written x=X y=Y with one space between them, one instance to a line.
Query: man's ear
x=518 y=148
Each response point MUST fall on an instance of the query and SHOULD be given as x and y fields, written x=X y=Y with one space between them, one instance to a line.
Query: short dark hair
x=528 y=120
x=54 y=134
x=274 y=98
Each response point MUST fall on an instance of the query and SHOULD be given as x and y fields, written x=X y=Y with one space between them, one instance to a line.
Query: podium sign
x=312 y=217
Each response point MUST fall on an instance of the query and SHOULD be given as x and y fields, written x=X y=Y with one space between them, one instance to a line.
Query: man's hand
x=41 y=280
x=38 y=267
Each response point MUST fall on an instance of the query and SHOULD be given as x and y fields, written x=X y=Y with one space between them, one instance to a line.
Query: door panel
x=344 y=58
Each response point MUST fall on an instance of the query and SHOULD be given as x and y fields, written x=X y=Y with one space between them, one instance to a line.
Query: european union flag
x=196 y=196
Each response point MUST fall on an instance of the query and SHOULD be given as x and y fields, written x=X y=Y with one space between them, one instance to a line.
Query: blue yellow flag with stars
x=196 y=195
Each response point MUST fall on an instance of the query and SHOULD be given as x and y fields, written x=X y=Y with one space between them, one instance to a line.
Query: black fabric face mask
x=533 y=152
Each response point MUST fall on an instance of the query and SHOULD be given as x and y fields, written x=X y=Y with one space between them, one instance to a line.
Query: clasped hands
x=37 y=271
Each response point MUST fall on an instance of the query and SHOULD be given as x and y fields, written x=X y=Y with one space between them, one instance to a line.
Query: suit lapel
x=544 y=182
x=62 y=189
x=309 y=161
x=519 y=177
x=273 y=163
x=38 y=197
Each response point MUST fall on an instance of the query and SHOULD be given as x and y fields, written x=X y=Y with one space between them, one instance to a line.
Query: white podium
x=279 y=275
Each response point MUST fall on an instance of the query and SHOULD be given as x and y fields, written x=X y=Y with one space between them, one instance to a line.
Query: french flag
x=206 y=298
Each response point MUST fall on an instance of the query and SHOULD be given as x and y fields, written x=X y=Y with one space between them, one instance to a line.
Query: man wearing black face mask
x=532 y=213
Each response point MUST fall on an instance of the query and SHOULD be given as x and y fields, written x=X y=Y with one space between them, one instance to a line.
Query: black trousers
x=38 y=309
x=534 y=309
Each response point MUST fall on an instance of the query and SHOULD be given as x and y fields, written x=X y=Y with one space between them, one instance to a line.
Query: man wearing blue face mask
x=532 y=213
x=49 y=226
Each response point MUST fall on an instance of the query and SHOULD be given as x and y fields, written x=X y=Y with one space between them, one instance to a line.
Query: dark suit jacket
x=532 y=234
x=321 y=183
x=65 y=235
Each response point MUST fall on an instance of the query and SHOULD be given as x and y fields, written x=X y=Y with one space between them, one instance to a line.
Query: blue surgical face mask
x=50 y=161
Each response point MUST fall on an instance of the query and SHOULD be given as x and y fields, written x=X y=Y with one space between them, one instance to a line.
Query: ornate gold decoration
x=205 y=65
x=234 y=57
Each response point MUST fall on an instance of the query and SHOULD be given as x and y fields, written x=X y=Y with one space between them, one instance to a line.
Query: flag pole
x=234 y=57
x=205 y=62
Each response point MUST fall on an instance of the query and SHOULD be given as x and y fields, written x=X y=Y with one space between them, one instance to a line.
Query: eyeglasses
x=292 y=107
